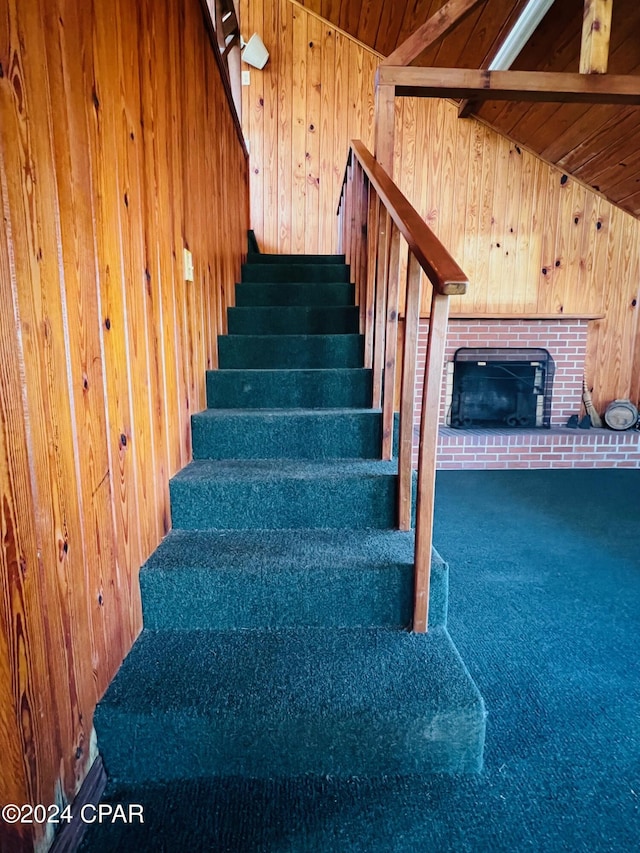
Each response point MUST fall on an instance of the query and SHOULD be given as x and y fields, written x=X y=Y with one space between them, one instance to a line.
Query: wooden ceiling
x=600 y=145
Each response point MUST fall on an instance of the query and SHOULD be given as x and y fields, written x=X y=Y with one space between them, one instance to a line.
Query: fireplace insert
x=502 y=387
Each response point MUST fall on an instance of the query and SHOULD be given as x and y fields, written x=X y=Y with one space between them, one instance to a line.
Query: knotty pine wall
x=530 y=239
x=117 y=148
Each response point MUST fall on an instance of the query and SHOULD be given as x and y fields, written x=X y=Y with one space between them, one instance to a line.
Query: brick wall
x=558 y=447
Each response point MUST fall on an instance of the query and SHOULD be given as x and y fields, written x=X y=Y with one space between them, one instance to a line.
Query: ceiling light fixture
x=520 y=34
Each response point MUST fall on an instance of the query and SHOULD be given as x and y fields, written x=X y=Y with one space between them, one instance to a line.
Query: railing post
x=431 y=394
x=381 y=279
x=391 y=344
x=407 y=404
x=373 y=215
x=348 y=213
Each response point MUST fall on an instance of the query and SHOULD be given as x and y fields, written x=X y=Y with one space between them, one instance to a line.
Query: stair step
x=283 y=493
x=280 y=433
x=267 y=258
x=277 y=389
x=290 y=351
x=267 y=703
x=290 y=293
x=294 y=320
x=203 y=580
x=295 y=272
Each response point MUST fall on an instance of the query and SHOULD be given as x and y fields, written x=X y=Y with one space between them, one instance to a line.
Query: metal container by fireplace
x=502 y=387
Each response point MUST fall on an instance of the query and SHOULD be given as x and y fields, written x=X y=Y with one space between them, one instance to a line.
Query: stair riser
x=279 y=260
x=276 y=389
x=287 y=436
x=294 y=294
x=290 y=351
x=357 y=745
x=320 y=503
x=192 y=599
x=322 y=273
x=297 y=320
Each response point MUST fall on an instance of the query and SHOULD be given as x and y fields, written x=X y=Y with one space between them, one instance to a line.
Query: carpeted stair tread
x=284 y=493
x=290 y=351
x=273 y=578
x=268 y=258
x=264 y=703
x=295 y=272
x=293 y=320
x=290 y=293
x=284 y=433
x=281 y=388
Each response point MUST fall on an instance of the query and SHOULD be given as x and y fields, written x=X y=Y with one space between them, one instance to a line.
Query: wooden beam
x=541 y=86
x=436 y=27
x=596 y=31
x=384 y=126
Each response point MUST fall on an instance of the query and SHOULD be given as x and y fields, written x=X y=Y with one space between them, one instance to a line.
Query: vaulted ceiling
x=599 y=144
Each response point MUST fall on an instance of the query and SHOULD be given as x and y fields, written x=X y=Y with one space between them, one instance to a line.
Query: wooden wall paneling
x=371 y=62
x=153 y=227
x=341 y=93
x=546 y=268
x=448 y=185
x=496 y=222
x=528 y=233
x=611 y=353
x=257 y=131
x=285 y=128
x=178 y=222
x=30 y=178
x=354 y=114
x=513 y=285
x=28 y=756
x=468 y=223
x=561 y=272
x=485 y=207
x=66 y=32
x=272 y=38
x=97 y=384
x=330 y=173
x=137 y=438
x=313 y=130
x=122 y=477
x=298 y=93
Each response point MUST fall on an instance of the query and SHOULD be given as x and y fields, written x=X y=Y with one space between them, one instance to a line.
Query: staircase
x=276 y=610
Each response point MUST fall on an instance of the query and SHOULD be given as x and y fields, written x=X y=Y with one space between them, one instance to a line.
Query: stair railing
x=374 y=216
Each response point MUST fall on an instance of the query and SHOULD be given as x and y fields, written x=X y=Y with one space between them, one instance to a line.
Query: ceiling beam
x=596 y=31
x=543 y=86
x=436 y=27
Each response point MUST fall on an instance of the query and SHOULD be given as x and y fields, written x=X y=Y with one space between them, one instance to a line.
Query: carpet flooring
x=544 y=607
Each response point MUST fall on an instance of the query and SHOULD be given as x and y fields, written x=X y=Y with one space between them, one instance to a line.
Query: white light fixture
x=520 y=34
x=254 y=52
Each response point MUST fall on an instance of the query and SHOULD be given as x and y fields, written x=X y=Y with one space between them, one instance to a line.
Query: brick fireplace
x=565 y=339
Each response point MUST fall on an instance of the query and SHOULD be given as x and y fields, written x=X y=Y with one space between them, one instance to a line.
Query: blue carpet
x=545 y=610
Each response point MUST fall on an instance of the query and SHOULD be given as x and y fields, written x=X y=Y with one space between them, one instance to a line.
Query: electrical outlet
x=246 y=78
x=188 y=265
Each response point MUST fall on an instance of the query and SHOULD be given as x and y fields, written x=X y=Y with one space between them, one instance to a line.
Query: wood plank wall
x=530 y=239
x=117 y=148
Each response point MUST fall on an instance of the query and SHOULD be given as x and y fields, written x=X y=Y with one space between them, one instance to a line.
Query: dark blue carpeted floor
x=545 y=610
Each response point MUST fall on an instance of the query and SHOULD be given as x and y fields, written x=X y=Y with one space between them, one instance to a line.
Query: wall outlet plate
x=188 y=265
x=246 y=78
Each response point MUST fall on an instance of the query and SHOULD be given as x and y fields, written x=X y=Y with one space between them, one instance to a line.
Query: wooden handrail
x=373 y=217
x=443 y=272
